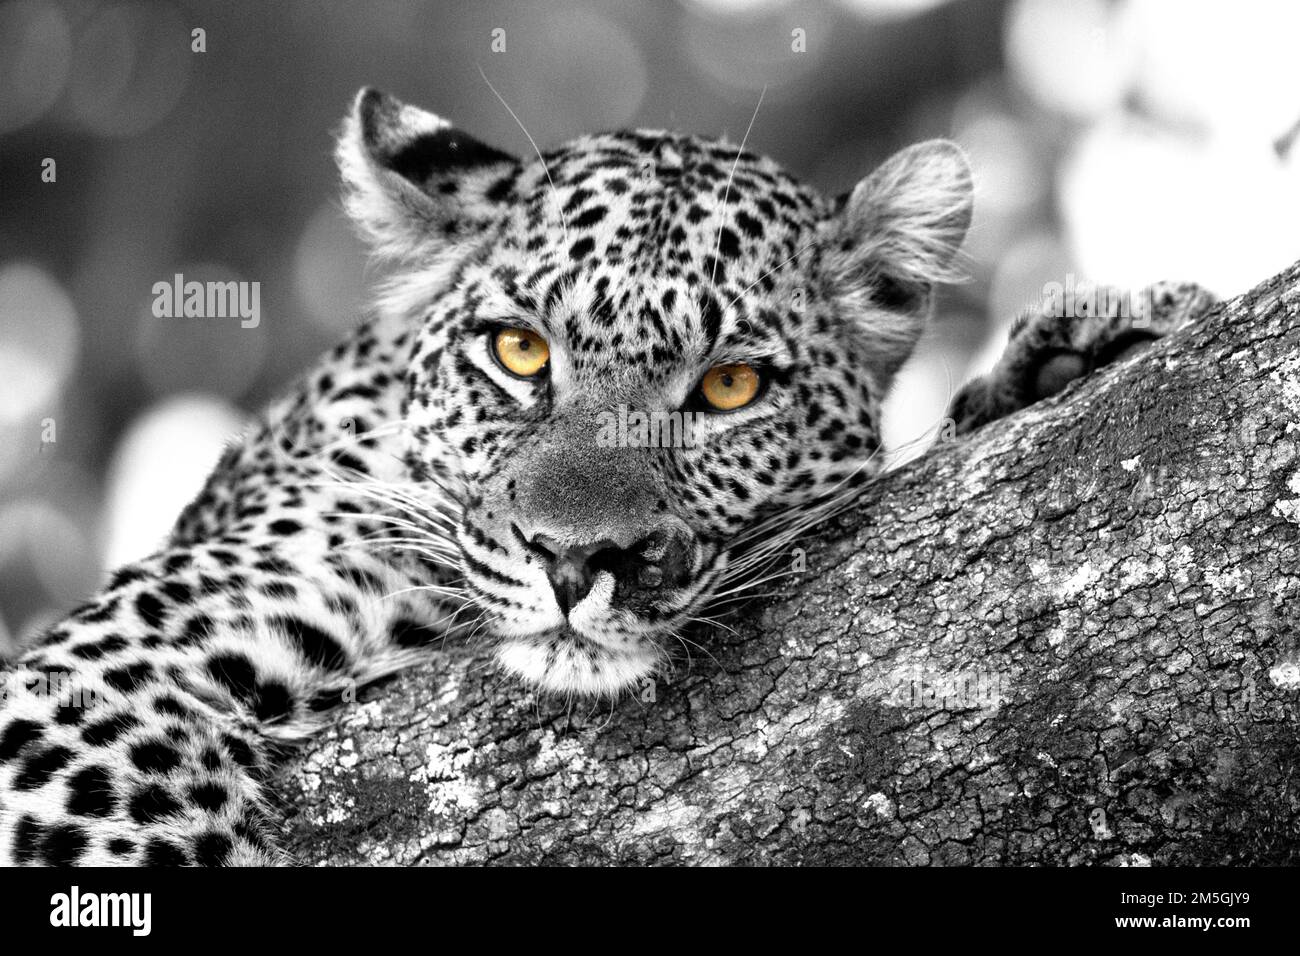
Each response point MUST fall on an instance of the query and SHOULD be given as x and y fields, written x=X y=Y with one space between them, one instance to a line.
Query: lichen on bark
x=1071 y=638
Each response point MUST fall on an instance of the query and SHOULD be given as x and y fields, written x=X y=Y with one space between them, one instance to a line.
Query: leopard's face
x=634 y=356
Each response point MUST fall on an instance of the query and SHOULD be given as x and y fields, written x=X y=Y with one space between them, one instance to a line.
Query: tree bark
x=1070 y=638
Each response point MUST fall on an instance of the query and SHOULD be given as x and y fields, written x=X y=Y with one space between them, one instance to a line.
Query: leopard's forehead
x=652 y=245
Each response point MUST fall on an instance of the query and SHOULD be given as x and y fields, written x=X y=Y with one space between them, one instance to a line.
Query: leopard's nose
x=570 y=568
x=649 y=563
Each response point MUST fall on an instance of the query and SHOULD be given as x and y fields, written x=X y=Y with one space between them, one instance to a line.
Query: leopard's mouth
x=564 y=661
x=598 y=650
x=589 y=619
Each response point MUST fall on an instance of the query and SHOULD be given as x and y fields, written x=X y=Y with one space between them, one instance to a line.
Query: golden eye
x=522 y=351
x=727 y=387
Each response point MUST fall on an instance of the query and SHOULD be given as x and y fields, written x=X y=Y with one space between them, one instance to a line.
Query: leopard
x=448 y=469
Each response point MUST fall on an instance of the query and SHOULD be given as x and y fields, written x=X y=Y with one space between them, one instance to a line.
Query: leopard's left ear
x=899 y=231
x=412 y=181
x=892 y=239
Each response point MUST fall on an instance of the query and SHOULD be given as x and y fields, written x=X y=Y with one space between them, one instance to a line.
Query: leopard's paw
x=1070 y=335
x=1073 y=334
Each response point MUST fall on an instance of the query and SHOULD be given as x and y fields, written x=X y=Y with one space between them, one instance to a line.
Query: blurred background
x=1119 y=140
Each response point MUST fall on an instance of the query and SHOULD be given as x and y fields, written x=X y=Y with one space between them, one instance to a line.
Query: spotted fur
x=409 y=488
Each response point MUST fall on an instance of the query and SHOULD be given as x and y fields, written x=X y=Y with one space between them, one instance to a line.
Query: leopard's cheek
x=832 y=440
x=462 y=423
x=727 y=483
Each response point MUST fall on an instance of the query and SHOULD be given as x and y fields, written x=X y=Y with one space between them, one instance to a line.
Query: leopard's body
x=409 y=485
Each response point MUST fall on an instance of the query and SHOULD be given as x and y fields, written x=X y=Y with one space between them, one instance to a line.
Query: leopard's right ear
x=412 y=181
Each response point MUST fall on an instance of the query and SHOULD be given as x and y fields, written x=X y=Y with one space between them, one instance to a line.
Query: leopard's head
x=639 y=361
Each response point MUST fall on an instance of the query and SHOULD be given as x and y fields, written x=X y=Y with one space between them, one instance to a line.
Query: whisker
x=430 y=588
x=726 y=195
x=554 y=192
x=797 y=253
x=687 y=644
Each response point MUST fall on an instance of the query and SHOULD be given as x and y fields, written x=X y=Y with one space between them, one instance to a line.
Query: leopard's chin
x=563 y=661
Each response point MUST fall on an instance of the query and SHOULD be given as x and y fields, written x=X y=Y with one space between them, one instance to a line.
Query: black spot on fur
x=239 y=751
x=210 y=849
x=749 y=225
x=349 y=463
x=109 y=645
x=154 y=756
x=98 y=613
x=582 y=248
x=314 y=644
x=194 y=630
x=227 y=559
x=96 y=649
x=159 y=852
x=64 y=845
x=711 y=316
x=324 y=700
x=150 y=608
x=106 y=731
x=178 y=562
x=273 y=701
x=27 y=840
x=90 y=793
x=69 y=714
x=120 y=846
x=413 y=634
x=56 y=635
x=124 y=678
x=500 y=190
x=125 y=576
x=281 y=589
x=39 y=767
x=169 y=706
x=589 y=217
x=728 y=244
x=249 y=834
x=151 y=804
x=177 y=591
x=210 y=795
x=235 y=672
x=17 y=736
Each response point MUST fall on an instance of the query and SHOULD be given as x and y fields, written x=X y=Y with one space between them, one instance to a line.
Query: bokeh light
x=1019 y=282
x=1142 y=205
x=160 y=464
x=738 y=7
x=35 y=51
x=130 y=66
x=574 y=71
x=1230 y=70
x=38 y=341
x=1012 y=176
x=60 y=548
x=747 y=53
x=1077 y=57
x=913 y=413
x=211 y=353
x=890 y=9
x=328 y=269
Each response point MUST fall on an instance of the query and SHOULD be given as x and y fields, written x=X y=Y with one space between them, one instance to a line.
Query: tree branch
x=1071 y=638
